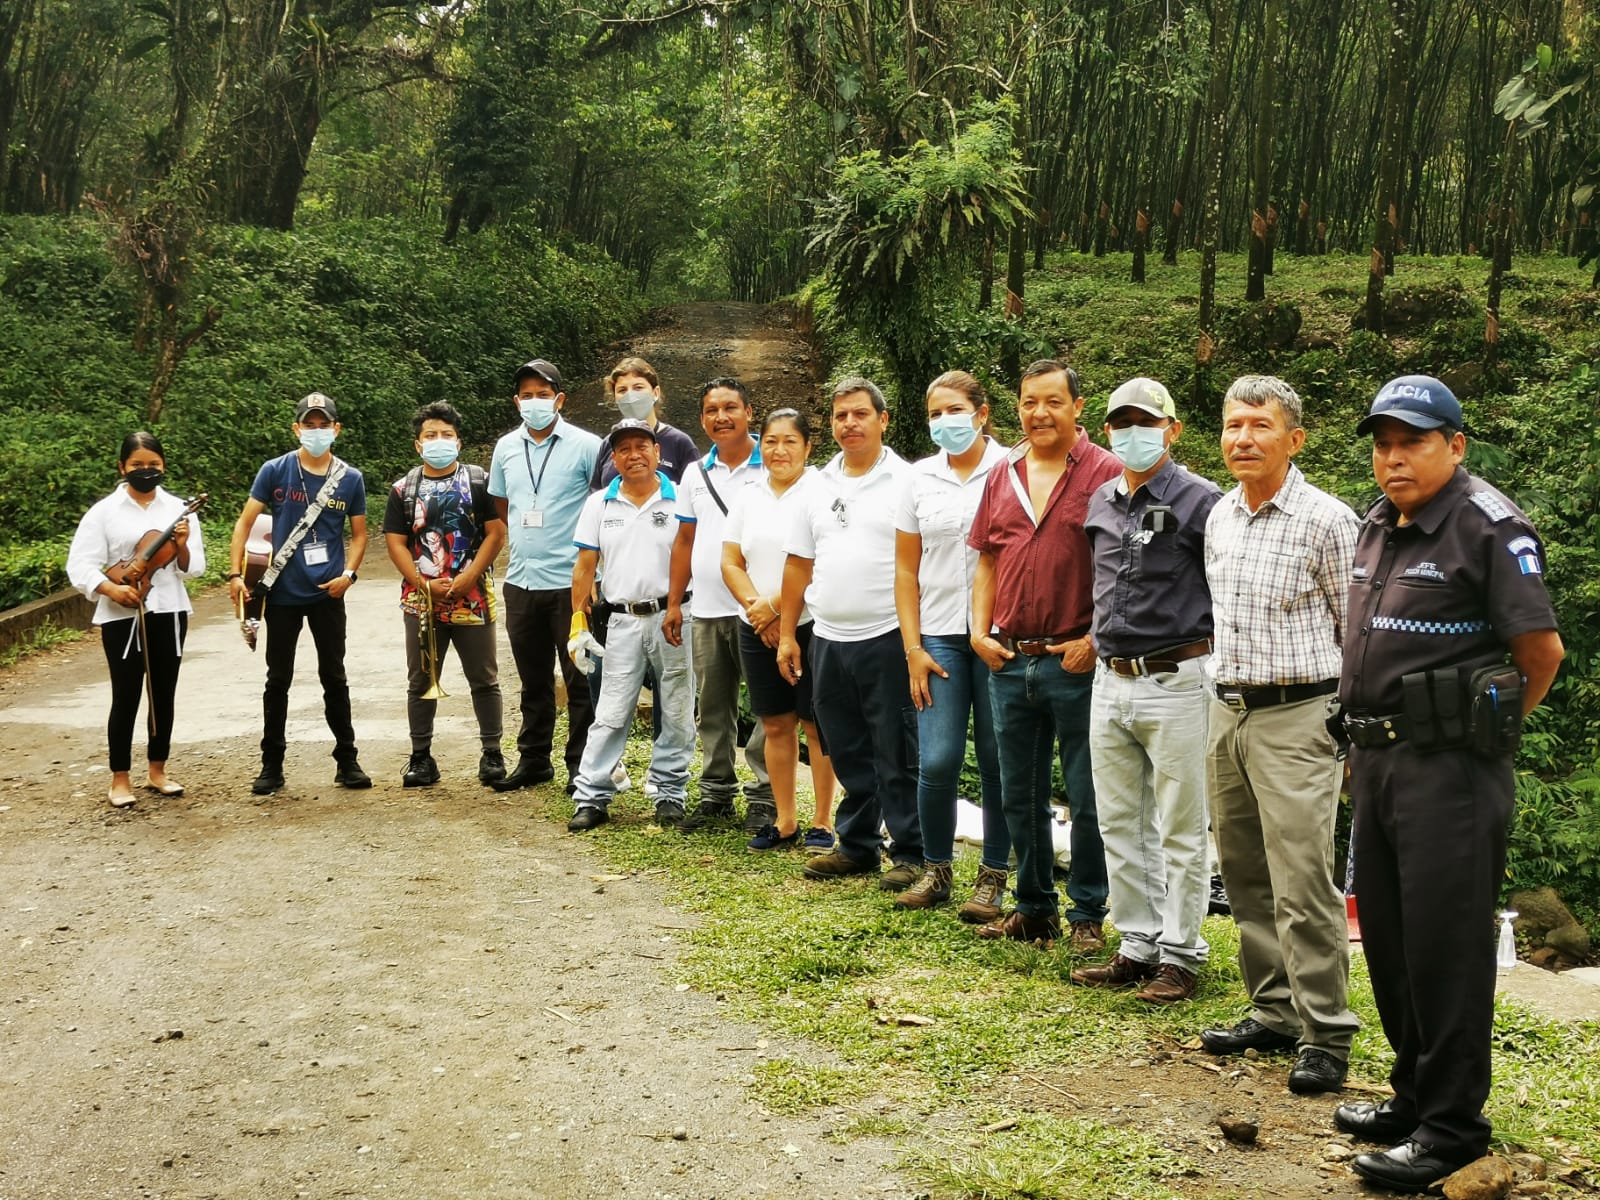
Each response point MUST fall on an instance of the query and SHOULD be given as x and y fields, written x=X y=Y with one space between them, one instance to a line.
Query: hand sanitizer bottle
x=1506 y=956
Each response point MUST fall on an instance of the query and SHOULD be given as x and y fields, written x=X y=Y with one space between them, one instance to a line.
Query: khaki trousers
x=1273 y=782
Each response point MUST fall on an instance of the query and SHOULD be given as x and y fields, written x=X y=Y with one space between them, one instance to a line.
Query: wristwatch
x=351 y=576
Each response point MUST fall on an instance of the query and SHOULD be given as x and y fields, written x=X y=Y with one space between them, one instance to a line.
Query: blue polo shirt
x=544 y=485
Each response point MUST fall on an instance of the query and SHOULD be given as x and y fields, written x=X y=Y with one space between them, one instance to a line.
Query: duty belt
x=1034 y=647
x=642 y=608
x=1158 y=662
x=1371 y=731
x=1241 y=698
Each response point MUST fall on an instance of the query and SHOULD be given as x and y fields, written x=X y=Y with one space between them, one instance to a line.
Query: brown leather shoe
x=987 y=893
x=1088 y=937
x=932 y=889
x=1119 y=972
x=1020 y=927
x=1171 y=984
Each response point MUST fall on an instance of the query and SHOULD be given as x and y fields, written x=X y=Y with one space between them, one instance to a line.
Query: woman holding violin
x=124 y=558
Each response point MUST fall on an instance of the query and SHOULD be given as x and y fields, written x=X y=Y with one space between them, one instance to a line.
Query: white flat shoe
x=169 y=788
x=120 y=799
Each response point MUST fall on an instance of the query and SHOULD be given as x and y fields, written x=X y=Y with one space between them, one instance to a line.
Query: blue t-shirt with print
x=287 y=489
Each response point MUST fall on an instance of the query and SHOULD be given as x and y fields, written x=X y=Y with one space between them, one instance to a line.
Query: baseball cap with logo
x=629 y=426
x=540 y=367
x=1146 y=395
x=1420 y=401
x=316 y=402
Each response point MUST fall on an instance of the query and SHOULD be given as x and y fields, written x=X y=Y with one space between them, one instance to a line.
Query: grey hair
x=1256 y=390
x=859 y=383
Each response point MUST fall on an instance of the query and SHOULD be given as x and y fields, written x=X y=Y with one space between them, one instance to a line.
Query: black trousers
x=326 y=620
x=125 y=656
x=537 y=624
x=1430 y=854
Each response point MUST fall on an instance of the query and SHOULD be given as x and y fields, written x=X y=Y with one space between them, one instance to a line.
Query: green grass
x=45 y=637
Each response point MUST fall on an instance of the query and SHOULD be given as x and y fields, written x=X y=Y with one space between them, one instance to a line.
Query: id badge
x=316 y=554
x=532 y=518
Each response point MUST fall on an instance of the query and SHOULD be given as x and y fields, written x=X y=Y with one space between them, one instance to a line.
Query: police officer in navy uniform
x=1447 y=581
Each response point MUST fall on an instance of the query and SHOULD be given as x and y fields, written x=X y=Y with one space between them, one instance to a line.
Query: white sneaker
x=651 y=791
x=621 y=779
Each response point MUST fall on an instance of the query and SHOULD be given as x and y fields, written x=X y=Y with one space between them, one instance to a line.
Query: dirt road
x=328 y=993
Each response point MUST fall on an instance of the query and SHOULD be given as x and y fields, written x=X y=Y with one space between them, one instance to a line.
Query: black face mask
x=145 y=479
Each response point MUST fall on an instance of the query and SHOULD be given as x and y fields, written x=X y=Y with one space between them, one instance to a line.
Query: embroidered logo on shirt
x=612 y=523
x=1526 y=551
x=1424 y=570
x=658 y=519
x=1493 y=507
x=1359 y=572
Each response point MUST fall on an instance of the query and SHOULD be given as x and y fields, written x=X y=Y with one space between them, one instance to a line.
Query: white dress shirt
x=109 y=532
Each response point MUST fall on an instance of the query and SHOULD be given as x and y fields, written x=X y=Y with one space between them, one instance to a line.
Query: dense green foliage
x=380 y=318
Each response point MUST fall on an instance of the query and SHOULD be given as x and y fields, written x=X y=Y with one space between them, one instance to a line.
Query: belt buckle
x=1233 y=700
x=1033 y=647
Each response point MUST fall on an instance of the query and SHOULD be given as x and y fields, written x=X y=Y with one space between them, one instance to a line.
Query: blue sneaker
x=770 y=839
x=818 y=841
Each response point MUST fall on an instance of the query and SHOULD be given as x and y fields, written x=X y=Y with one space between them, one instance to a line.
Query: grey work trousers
x=714 y=642
x=475 y=651
x=1273 y=778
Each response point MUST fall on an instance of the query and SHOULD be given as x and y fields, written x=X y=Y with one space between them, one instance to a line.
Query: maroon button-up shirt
x=1044 y=572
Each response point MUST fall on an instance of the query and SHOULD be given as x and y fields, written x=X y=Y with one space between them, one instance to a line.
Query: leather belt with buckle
x=1372 y=732
x=1158 y=662
x=1241 y=698
x=1034 y=647
x=643 y=608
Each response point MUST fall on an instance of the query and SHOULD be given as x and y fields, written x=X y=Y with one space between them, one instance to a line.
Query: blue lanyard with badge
x=533 y=517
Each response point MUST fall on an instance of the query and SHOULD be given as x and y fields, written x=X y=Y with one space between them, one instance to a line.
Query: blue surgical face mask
x=317 y=441
x=953 y=431
x=636 y=406
x=440 y=452
x=1140 y=447
x=538 y=412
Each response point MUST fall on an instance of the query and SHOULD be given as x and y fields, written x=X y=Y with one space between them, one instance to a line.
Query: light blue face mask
x=538 y=412
x=953 y=431
x=317 y=441
x=1140 y=447
x=440 y=452
x=636 y=406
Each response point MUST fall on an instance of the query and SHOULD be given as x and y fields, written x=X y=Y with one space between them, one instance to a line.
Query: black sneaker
x=669 y=813
x=350 y=775
x=708 y=814
x=491 y=767
x=1217 y=902
x=421 y=771
x=270 y=780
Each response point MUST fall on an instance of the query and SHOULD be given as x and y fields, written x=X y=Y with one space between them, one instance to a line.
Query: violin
x=155 y=550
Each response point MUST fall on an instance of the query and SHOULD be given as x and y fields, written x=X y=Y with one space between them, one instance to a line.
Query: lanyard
x=527 y=460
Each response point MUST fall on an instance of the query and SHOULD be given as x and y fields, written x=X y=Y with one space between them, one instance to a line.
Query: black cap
x=544 y=370
x=627 y=426
x=316 y=402
x=1421 y=401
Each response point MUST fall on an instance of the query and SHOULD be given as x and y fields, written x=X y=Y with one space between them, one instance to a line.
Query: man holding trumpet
x=443 y=533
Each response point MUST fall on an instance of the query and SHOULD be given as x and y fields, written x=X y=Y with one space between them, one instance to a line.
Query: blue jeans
x=942 y=740
x=1035 y=702
x=862 y=699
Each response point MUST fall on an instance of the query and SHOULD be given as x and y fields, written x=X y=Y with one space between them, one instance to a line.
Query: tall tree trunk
x=986 y=279
x=1261 y=152
x=1511 y=153
x=1391 y=159
x=1169 y=252
x=1216 y=136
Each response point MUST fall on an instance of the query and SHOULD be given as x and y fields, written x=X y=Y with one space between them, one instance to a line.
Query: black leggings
x=125 y=655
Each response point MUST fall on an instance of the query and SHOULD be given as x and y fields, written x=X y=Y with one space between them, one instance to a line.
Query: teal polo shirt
x=544 y=485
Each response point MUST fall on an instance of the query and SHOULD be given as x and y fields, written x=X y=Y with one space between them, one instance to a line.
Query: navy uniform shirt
x=1450 y=588
x=1150 y=589
x=677 y=452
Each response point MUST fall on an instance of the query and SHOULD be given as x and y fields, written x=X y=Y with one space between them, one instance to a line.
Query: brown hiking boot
x=930 y=890
x=899 y=877
x=1088 y=937
x=1171 y=984
x=987 y=893
x=836 y=866
x=1020 y=927
x=1119 y=972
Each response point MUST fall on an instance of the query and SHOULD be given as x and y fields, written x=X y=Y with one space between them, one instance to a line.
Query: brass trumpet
x=429 y=636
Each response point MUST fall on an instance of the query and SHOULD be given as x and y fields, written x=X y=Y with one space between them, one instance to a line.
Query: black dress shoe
x=1375 y=1122
x=350 y=775
x=1316 y=1071
x=1248 y=1034
x=421 y=771
x=587 y=817
x=528 y=774
x=270 y=780
x=1412 y=1166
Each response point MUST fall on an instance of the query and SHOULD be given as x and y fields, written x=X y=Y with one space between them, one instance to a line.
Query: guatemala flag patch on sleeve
x=1526 y=551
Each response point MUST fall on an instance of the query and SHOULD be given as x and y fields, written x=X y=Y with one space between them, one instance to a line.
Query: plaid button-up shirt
x=1279 y=581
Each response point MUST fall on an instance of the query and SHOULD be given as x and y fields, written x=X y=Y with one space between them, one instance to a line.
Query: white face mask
x=538 y=412
x=636 y=406
x=317 y=441
x=1140 y=447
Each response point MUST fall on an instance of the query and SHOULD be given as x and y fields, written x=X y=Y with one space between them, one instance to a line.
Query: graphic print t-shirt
x=443 y=529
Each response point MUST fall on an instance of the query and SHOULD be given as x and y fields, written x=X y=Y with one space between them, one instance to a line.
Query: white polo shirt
x=759 y=526
x=698 y=491
x=846 y=526
x=939 y=506
x=634 y=541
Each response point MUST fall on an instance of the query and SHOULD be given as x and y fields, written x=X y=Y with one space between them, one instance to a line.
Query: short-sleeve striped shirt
x=1280 y=578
